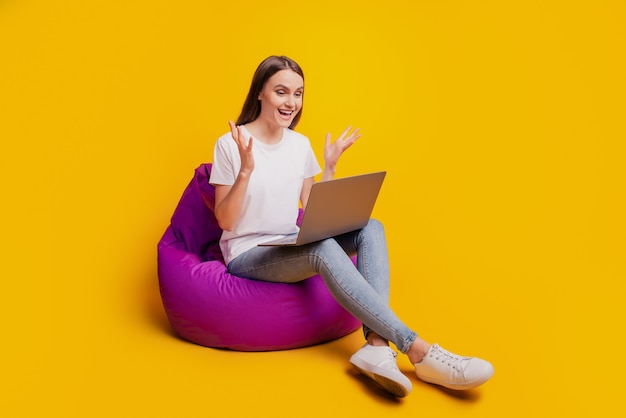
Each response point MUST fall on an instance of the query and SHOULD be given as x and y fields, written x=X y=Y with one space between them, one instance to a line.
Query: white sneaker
x=443 y=368
x=379 y=364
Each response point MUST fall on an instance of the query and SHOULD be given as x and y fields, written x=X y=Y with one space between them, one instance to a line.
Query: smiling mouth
x=285 y=112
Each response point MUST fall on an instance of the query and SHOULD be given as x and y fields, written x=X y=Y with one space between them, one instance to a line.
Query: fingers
x=234 y=131
x=353 y=136
x=343 y=134
x=346 y=142
x=239 y=137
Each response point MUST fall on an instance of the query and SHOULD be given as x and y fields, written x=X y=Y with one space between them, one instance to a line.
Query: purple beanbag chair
x=208 y=306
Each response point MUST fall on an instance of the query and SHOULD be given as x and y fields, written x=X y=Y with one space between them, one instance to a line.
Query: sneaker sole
x=457 y=386
x=388 y=383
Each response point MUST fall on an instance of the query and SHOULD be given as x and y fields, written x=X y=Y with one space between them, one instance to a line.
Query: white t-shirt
x=270 y=207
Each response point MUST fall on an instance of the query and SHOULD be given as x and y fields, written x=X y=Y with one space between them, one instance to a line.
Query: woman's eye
x=298 y=94
x=280 y=92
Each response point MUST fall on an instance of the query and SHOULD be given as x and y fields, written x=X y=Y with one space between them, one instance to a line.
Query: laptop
x=335 y=207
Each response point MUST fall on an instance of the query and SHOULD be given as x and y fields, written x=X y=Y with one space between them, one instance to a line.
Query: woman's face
x=281 y=98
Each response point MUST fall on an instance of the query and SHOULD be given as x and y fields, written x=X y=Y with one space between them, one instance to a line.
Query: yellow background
x=501 y=125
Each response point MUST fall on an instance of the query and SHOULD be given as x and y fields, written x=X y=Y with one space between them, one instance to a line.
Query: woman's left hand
x=333 y=150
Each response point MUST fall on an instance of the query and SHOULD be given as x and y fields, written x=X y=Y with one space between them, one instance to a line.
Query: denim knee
x=375 y=226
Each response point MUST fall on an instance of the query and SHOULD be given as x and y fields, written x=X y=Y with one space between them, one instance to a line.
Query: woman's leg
x=370 y=246
x=363 y=291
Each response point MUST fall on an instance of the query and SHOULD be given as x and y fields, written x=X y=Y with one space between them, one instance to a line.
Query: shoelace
x=391 y=361
x=453 y=360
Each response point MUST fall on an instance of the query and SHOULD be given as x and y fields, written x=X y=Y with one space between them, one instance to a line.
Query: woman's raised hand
x=245 y=149
x=333 y=150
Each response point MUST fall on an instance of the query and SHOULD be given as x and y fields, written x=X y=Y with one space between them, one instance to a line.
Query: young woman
x=262 y=170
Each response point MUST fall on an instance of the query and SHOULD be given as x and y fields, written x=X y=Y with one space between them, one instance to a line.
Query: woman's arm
x=229 y=202
x=306 y=190
x=229 y=199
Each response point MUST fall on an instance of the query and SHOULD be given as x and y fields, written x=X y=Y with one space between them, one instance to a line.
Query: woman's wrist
x=329 y=173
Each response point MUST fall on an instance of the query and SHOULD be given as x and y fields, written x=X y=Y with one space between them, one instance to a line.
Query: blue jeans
x=362 y=290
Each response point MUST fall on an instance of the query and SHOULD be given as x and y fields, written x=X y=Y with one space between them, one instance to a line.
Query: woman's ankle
x=376 y=340
x=418 y=350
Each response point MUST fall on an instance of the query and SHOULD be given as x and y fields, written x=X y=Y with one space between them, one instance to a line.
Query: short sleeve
x=226 y=162
x=311 y=167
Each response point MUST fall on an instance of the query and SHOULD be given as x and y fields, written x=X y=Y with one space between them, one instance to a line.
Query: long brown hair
x=266 y=69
